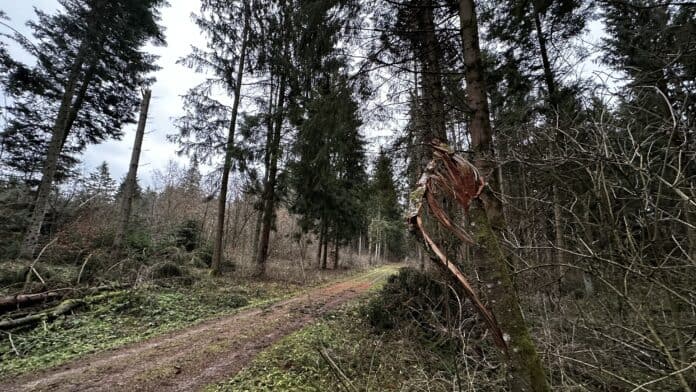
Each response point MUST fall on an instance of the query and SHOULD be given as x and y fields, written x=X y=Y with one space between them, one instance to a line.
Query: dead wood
x=451 y=175
x=13 y=302
x=49 y=315
x=19 y=301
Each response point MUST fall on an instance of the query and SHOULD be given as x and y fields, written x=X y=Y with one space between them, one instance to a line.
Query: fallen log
x=18 y=301
x=49 y=315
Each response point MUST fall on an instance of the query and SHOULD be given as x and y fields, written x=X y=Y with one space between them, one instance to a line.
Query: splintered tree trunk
x=59 y=135
x=526 y=371
x=129 y=186
x=269 y=188
x=227 y=166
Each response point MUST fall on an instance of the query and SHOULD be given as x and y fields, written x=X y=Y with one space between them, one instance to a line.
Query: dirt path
x=190 y=359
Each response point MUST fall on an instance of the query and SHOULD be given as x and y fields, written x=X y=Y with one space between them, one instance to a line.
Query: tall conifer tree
x=83 y=88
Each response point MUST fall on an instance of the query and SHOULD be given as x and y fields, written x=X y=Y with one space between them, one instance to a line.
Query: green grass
x=134 y=315
x=373 y=361
x=128 y=317
x=403 y=357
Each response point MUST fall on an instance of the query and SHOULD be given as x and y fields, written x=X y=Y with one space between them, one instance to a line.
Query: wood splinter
x=450 y=174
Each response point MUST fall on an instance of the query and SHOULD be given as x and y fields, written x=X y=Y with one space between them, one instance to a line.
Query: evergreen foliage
x=328 y=177
x=386 y=214
x=91 y=49
x=653 y=45
x=99 y=184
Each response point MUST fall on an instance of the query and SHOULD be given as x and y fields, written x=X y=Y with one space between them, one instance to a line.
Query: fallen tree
x=65 y=307
x=23 y=300
x=48 y=315
x=17 y=301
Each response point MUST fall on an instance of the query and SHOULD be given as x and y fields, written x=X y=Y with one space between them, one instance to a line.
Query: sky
x=173 y=81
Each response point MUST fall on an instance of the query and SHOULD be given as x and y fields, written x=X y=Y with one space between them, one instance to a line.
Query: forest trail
x=210 y=352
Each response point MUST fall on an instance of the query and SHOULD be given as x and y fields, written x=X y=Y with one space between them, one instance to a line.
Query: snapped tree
x=83 y=87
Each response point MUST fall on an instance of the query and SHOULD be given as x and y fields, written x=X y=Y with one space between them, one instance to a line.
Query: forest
x=351 y=195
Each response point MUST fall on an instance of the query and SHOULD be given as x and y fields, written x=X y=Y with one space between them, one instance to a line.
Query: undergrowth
x=375 y=356
x=127 y=317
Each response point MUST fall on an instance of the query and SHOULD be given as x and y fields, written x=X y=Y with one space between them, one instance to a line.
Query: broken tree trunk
x=18 y=301
x=453 y=175
x=131 y=177
x=525 y=369
x=449 y=174
x=52 y=314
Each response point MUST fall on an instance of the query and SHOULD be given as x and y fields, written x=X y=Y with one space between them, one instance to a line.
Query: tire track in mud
x=210 y=352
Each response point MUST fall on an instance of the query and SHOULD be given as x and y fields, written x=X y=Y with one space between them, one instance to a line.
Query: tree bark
x=227 y=166
x=131 y=177
x=269 y=188
x=432 y=96
x=58 y=136
x=52 y=314
x=336 y=243
x=324 y=255
x=24 y=300
x=526 y=372
x=320 y=244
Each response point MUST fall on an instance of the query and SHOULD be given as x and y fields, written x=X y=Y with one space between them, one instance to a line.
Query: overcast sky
x=173 y=80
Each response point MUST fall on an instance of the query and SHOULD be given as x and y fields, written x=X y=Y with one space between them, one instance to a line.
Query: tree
x=302 y=51
x=328 y=176
x=526 y=370
x=99 y=185
x=83 y=87
x=653 y=45
x=130 y=184
x=387 y=222
x=226 y=57
x=411 y=40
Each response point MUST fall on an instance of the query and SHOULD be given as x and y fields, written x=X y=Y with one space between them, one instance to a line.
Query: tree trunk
x=59 y=135
x=526 y=372
x=227 y=166
x=269 y=188
x=131 y=177
x=360 y=245
x=48 y=315
x=324 y=255
x=320 y=244
x=336 y=243
x=548 y=72
x=573 y=282
x=79 y=99
x=432 y=96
